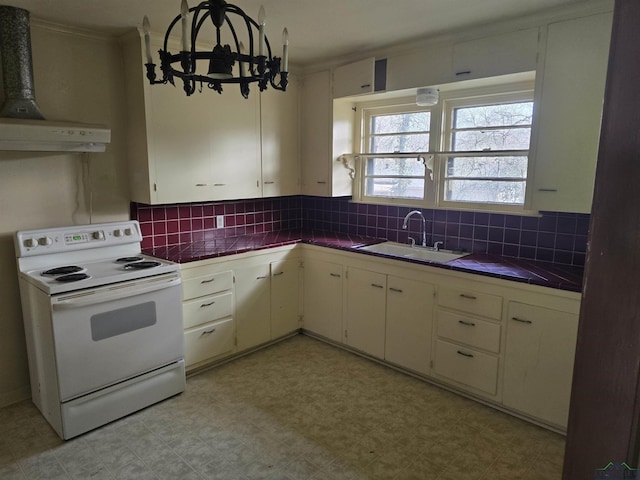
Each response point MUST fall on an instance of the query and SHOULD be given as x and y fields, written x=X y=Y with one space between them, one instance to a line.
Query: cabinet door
x=366 y=310
x=354 y=78
x=253 y=306
x=419 y=68
x=511 y=52
x=322 y=304
x=569 y=113
x=280 y=141
x=409 y=323
x=285 y=305
x=316 y=127
x=540 y=350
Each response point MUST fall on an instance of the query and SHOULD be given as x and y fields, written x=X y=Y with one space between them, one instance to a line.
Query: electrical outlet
x=219 y=221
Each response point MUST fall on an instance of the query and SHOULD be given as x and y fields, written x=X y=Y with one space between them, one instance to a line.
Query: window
x=469 y=151
x=500 y=123
x=397 y=130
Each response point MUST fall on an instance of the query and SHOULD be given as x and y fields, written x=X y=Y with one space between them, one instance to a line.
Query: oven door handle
x=82 y=299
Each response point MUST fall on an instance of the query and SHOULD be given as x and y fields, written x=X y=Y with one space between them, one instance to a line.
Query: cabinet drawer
x=207 y=309
x=469 y=301
x=208 y=341
x=207 y=284
x=470 y=331
x=467 y=366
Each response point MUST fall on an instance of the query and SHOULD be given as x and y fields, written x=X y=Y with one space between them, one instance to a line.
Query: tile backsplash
x=552 y=237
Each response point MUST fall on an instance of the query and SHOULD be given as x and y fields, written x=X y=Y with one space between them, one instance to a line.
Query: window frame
x=451 y=96
x=397 y=106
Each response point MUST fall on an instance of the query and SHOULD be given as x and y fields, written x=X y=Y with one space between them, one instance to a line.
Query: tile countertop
x=563 y=277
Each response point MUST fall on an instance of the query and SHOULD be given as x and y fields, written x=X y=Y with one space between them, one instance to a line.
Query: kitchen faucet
x=405 y=225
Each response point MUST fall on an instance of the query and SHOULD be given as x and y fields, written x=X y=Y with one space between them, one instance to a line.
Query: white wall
x=78 y=77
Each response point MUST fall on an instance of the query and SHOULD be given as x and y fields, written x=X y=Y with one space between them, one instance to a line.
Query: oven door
x=105 y=335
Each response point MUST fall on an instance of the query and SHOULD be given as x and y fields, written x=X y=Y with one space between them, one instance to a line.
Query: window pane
x=492 y=167
x=502 y=115
x=485 y=191
x=395 y=187
x=395 y=166
x=400 y=143
x=501 y=139
x=404 y=122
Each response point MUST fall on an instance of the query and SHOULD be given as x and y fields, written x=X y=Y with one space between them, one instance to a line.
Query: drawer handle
x=321 y=182
x=335 y=275
x=269 y=183
x=468 y=324
x=464 y=354
x=210 y=184
x=547 y=189
x=208 y=281
x=278 y=274
x=376 y=285
x=465 y=72
x=207 y=332
x=204 y=305
x=521 y=320
x=398 y=290
x=469 y=297
x=366 y=85
x=262 y=277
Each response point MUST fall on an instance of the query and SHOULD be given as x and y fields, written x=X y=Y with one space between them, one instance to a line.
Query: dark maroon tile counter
x=562 y=277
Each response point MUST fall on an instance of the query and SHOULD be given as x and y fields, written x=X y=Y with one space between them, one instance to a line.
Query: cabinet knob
x=334 y=275
x=204 y=305
x=376 y=285
x=464 y=72
x=464 y=354
x=397 y=290
x=207 y=332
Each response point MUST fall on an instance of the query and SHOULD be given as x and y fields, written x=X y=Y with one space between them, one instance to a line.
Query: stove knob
x=98 y=235
x=117 y=232
x=45 y=241
x=30 y=243
x=128 y=232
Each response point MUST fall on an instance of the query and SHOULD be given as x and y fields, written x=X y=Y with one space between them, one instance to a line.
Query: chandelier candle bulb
x=184 y=12
x=285 y=50
x=147 y=45
x=243 y=67
x=262 y=17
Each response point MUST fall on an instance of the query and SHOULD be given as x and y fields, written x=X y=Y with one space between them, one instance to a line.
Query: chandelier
x=238 y=63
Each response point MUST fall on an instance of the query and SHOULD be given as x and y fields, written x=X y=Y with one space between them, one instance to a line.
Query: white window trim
x=439 y=141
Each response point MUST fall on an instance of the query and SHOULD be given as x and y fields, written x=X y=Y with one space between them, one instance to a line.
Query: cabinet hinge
x=431 y=364
x=155 y=187
x=346 y=273
x=235 y=341
x=258 y=183
x=300 y=318
x=346 y=334
x=234 y=279
x=301 y=264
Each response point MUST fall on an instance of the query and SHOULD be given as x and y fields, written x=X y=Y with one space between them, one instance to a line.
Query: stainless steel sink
x=406 y=251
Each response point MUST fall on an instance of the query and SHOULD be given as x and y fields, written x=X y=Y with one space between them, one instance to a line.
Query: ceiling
x=318 y=30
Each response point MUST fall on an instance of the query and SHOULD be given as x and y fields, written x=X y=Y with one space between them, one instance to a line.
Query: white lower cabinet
x=253 y=305
x=207 y=310
x=322 y=302
x=467 y=366
x=366 y=301
x=409 y=323
x=285 y=297
x=540 y=349
x=467 y=346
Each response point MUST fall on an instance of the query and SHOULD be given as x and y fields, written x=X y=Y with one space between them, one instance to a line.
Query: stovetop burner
x=141 y=265
x=128 y=259
x=62 y=270
x=72 y=277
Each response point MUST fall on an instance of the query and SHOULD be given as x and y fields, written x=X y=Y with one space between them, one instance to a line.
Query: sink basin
x=400 y=250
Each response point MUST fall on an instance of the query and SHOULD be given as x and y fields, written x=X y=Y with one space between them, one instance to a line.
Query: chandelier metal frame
x=261 y=69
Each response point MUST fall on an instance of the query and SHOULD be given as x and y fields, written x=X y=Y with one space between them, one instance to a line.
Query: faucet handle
x=412 y=241
x=437 y=245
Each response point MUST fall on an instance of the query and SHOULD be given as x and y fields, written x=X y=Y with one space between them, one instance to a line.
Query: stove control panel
x=78 y=237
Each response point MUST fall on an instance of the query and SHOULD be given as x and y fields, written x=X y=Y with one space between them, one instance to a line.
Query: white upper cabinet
x=571 y=92
x=279 y=115
x=354 y=78
x=495 y=55
x=430 y=66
